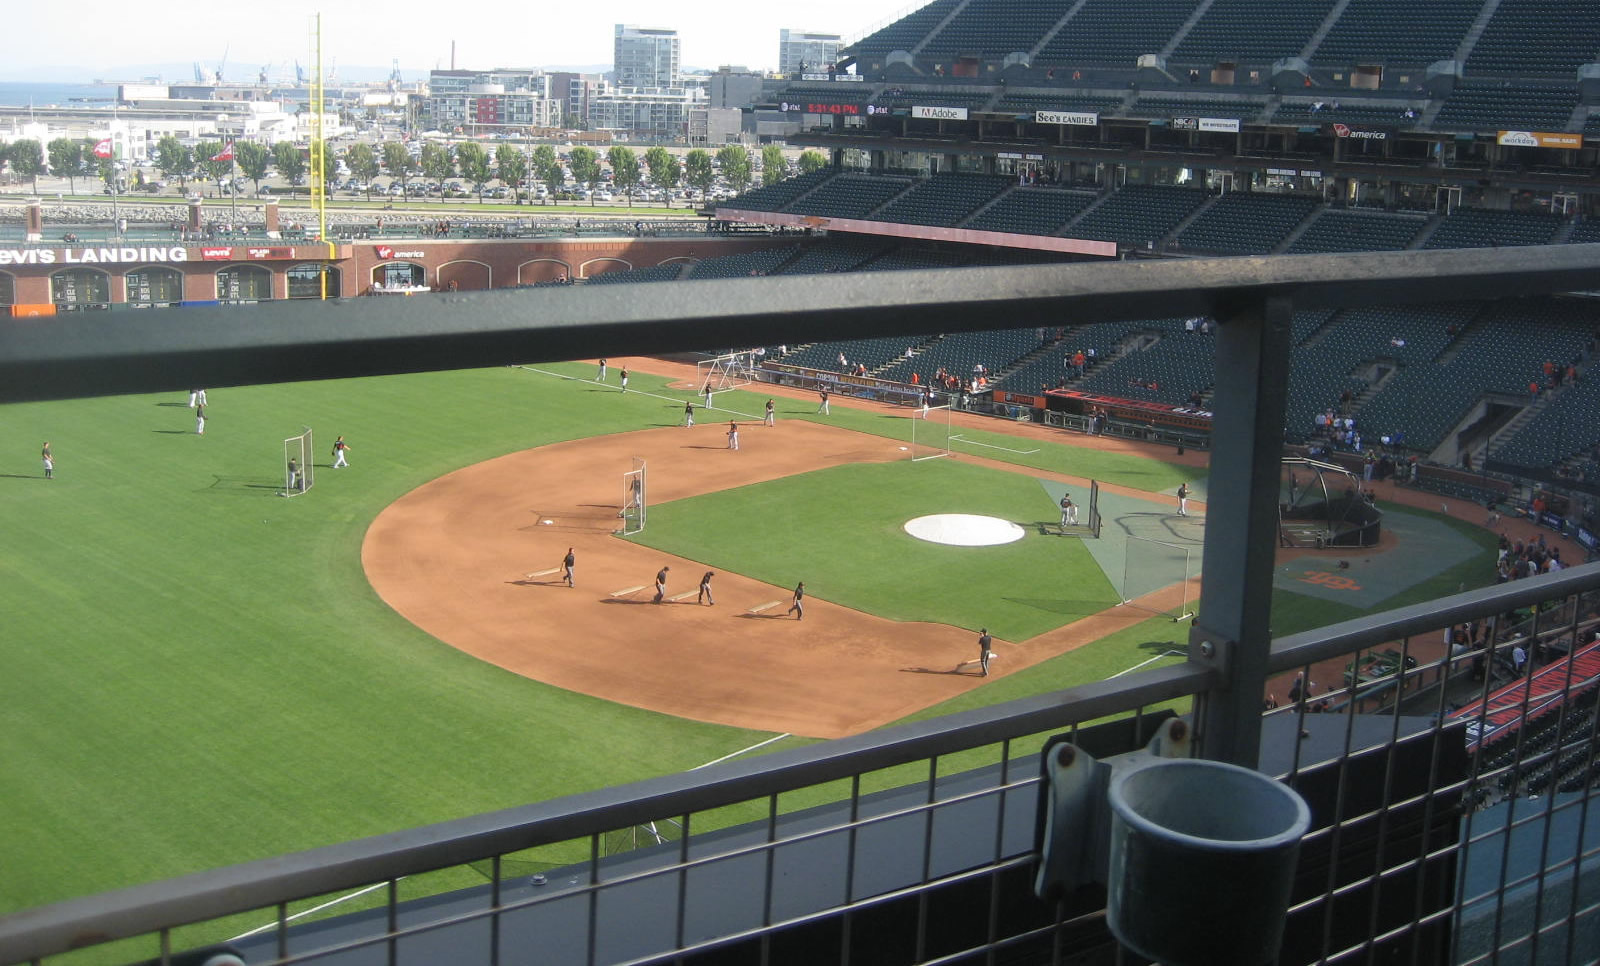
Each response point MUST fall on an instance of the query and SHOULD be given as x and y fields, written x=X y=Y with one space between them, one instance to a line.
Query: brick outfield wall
x=472 y=264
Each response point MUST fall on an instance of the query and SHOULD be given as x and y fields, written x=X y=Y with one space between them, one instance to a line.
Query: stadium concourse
x=470 y=557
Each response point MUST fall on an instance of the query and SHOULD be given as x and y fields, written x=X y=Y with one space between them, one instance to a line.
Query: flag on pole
x=103 y=149
x=226 y=154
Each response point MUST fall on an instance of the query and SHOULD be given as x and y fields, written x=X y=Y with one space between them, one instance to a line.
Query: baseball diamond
x=469 y=482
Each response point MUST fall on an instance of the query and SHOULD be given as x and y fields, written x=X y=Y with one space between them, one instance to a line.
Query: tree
x=624 y=170
x=657 y=159
x=291 y=163
x=671 y=176
x=219 y=171
x=774 y=166
x=811 y=161
x=363 y=163
x=511 y=167
x=27 y=159
x=436 y=162
x=253 y=159
x=399 y=162
x=735 y=162
x=174 y=160
x=697 y=170
x=474 y=162
x=586 y=169
x=66 y=158
x=547 y=167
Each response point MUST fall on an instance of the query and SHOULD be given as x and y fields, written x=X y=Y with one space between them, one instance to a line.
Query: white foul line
x=314 y=909
x=640 y=392
x=361 y=892
x=743 y=751
x=1143 y=663
x=959 y=438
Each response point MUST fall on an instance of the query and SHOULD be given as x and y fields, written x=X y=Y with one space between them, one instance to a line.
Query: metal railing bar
x=294 y=340
x=216 y=893
x=821 y=914
x=1337 y=640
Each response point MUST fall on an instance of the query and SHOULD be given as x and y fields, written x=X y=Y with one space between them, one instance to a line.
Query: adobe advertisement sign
x=939 y=113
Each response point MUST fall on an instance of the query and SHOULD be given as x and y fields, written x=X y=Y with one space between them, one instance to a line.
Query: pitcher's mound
x=964 y=530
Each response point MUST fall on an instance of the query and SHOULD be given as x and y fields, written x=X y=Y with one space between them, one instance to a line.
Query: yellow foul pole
x=319 y=161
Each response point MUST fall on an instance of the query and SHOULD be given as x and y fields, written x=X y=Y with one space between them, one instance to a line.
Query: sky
x=89 y=39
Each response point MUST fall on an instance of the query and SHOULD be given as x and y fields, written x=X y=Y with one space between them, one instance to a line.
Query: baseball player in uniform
x=294 y=475
x=733 y=434
x=624 y=378
x=567 y=564
x=602 y=376
x=705 y=589
x=661 y=584
x=707 y=393
x=1183 y=499
x=340 y=448
x=823 y=395
x=798 y=607
x=688 y=414
x=200 y=419
x=771 y=418
x=49 y=461
x=1069 y=511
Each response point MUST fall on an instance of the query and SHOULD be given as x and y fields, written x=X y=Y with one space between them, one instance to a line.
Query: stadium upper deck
x=1482 y=103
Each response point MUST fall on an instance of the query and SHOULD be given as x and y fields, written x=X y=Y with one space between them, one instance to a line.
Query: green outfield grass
x=843 y=536
x=195 y=672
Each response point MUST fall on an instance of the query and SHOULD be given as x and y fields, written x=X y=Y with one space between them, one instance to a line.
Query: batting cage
x=634 y=498
x=1322 y=505
x=298 y=471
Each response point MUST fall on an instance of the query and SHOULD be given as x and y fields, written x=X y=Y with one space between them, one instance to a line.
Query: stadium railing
x=1422 y=847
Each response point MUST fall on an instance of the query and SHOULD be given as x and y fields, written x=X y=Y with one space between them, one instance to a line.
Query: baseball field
x=198 y=671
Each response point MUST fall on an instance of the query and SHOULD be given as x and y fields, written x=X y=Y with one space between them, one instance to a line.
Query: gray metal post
x=1232 y=633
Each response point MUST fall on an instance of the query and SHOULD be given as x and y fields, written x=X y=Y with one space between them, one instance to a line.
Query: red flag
x=102 y=149
x=225 y=155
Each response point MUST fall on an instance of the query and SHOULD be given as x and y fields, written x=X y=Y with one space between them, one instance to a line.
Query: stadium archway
x=243 y=284
x=399 y=275
x=465 y=275
x=600 y=266
x=80 y=289
x=307 y=281
x=542 y=270
x=154 y=286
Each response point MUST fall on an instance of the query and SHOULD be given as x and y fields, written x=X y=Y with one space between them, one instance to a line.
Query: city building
x=646 y=114
x=487 y=101
x=574 y=90
x=801 y=51
x=734 y=87
x=712 y=127
x=645 y=57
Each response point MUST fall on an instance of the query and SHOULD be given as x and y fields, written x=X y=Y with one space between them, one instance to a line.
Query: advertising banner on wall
x=1539 y=139
x=1080 y=118
x=939 y=113
x=1229 y=125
